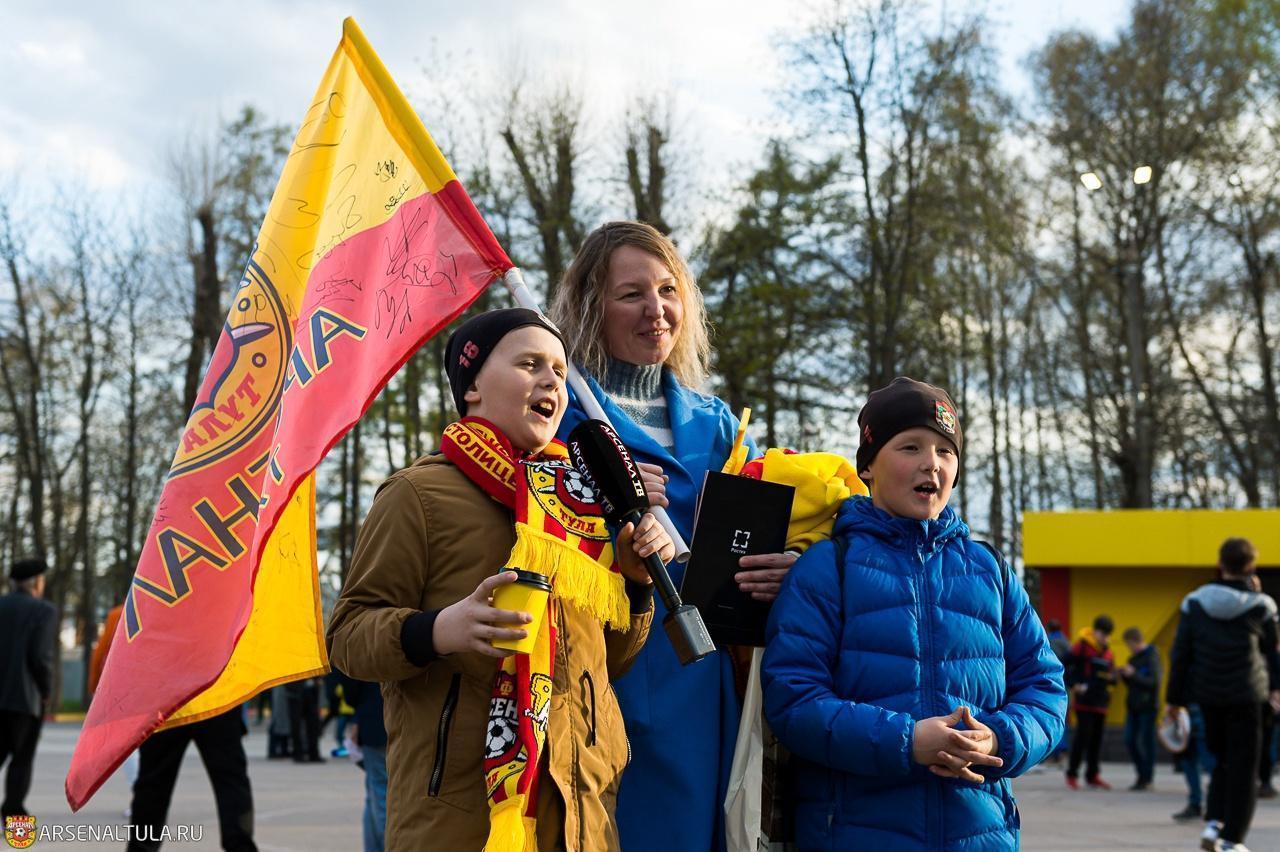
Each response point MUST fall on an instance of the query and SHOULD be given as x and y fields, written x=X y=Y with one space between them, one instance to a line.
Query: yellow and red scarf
x=561 y=533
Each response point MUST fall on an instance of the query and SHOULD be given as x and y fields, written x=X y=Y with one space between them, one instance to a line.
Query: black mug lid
x=531 y=578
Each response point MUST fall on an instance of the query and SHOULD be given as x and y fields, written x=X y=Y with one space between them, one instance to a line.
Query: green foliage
x=772 y=308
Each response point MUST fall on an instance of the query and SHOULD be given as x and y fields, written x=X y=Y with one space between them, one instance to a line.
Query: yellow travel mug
x=529 y=594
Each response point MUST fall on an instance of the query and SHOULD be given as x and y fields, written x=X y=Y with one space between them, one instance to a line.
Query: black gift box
x=736 y=517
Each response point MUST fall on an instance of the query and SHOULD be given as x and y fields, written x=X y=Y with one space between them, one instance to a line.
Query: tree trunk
x=995 y=517
x=412 y=407
x=355 y=470
x=385 y=403
x=1085 y=342
x=647 y=196
x=963 y=400
x=1141 y=439
x=129 y=553
x=206 y=308
x=27 y=415
x=88 y=566
x=1257 y=286
x=344 y=510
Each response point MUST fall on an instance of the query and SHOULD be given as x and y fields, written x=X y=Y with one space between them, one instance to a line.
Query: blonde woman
x=632 y=316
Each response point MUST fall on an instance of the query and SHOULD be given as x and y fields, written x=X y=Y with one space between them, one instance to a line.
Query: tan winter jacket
x=430 y=538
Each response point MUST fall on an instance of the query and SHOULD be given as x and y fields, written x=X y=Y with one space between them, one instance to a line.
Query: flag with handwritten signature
x=370 y=246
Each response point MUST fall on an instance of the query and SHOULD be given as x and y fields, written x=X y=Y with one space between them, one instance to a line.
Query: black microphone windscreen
x=602 y=458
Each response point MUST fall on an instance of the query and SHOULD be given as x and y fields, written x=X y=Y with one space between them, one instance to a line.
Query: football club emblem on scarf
x=560 y=533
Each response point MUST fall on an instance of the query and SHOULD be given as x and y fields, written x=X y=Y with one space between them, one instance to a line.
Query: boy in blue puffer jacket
x=905 y=667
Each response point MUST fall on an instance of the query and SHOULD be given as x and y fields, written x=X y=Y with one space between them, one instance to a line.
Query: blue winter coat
x=682 y=720
x=918 y=621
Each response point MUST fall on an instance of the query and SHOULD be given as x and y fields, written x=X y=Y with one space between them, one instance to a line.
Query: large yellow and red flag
x=370 y=246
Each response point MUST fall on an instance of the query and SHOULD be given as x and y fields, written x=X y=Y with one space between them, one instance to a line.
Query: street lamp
x=1091 y=181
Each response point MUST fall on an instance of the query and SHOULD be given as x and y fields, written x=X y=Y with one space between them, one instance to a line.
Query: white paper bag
x=742 y=802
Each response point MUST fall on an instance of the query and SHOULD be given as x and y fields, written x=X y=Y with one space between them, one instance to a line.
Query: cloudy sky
x=97 y=92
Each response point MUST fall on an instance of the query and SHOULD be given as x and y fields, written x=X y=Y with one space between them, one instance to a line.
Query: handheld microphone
x=601 y=458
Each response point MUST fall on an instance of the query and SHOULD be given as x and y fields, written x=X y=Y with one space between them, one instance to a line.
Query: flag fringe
x=510 y=830
x=579 y=579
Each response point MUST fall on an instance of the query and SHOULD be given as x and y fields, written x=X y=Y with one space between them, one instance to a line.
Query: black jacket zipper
x=591 y=688
x=442 y=735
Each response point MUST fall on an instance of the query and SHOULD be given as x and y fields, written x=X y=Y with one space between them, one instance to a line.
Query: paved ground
x=1057 y=819
x=316 y=808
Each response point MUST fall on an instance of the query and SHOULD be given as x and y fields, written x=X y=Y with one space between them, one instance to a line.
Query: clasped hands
x=949 y=751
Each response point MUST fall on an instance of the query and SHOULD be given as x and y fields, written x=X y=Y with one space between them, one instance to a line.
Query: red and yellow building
x=1136 y=566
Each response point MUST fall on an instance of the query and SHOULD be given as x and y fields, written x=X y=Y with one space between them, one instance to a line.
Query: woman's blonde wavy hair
x=579 y=304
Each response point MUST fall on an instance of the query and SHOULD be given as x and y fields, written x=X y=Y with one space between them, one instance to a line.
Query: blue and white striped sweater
x=637 y=390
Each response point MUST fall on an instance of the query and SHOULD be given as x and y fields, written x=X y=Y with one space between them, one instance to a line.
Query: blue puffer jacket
x=918 y=621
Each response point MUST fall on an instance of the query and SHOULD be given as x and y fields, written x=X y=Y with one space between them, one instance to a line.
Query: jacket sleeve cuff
x=640 y=595
x=1008 y=747
x=416 y=639
x=892 y=743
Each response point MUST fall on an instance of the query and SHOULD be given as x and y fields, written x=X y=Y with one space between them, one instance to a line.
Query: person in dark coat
x=1267 y=759
x=1061 y=646
x=219 y=741
x=371 y=736
x=1142 y=676
x=28 y=630
x=304 y=719
x=1224 y=658
x=279 y=733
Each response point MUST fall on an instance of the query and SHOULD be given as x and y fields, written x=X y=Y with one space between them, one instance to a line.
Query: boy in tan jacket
x=416 y=614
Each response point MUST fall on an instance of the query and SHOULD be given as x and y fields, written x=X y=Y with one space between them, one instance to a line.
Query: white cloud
x=66 y=152
x=52 y=55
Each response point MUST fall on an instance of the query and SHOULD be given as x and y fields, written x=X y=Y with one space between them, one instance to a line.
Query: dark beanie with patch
x=901 y=405
x=474 y=341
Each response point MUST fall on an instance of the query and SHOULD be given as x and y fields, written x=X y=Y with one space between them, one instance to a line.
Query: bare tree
x=543 y=135
x=1138 y=112
x=647 y=151
x=21 y=365
x=195 y=170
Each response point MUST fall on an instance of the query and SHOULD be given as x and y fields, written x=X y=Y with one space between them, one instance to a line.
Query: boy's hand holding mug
x=949 y=751
x=473 y=623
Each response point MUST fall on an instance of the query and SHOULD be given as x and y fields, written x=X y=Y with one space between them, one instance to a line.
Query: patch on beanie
x=469 y=351
x=945 y=416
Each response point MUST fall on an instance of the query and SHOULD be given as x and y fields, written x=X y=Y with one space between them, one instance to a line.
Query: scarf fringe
x=510 y=830
x=579 y=579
